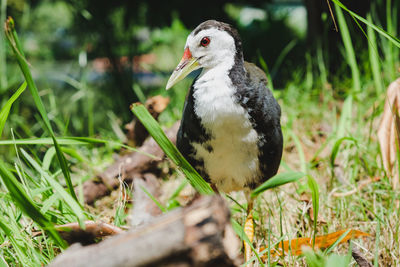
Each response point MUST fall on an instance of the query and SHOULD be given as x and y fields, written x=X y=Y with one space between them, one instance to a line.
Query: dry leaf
x=307 y=199
x=387 y=132
x=321 y=242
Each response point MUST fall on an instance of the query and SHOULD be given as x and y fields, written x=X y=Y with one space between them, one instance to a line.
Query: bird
x=230 y=129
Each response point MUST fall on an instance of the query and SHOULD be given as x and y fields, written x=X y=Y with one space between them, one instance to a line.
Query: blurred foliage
x=107 y=46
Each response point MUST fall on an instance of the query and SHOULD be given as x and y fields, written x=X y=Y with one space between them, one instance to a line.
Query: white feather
x=233 y=160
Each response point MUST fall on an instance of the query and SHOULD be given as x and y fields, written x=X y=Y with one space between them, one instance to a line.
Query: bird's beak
x=187 y=65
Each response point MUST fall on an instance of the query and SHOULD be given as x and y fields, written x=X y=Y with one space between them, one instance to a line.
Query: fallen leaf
x=388 y=132
x=307 y=199
x=321 y=242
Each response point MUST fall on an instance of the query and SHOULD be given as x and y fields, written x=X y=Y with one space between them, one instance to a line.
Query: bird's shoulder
x=256 y=75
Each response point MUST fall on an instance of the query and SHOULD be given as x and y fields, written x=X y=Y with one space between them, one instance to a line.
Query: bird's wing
x=255 y=73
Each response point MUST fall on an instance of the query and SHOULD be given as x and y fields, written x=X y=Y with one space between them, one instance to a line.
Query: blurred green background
x=99 y=55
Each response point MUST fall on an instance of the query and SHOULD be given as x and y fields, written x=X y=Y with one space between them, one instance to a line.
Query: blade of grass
x=337 y=242
x=312 y=184
x=374 y=57
x=26 y=204
x=278 y=180
x=13 y=41
x=159 y=205
x=348 y=45
x=282 y=56
x=3 y=262
x=70 y=141
x=69 y=200
x=382 y=32
x=390 y=29
x=336 y=146
x=264 y=66
x=3 y=57
x=170 y=150
x=139 y=93
x=7 y=107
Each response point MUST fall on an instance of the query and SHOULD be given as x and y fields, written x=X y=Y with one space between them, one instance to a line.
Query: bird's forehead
x=214 y=33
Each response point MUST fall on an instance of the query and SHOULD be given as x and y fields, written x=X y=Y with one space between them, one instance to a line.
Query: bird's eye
x=205 y=41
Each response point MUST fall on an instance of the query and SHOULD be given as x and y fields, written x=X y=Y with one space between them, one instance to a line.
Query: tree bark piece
x=360 y=258
x=199 y=235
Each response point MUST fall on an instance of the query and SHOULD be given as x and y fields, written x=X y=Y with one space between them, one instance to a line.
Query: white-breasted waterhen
x=230 y=130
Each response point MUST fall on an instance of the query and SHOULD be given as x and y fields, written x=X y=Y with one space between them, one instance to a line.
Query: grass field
x=330 y=130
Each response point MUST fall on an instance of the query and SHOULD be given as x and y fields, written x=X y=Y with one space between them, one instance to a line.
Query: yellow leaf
x=321 y=242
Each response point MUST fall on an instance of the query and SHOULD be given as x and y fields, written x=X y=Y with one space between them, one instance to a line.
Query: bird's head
x=210 y=45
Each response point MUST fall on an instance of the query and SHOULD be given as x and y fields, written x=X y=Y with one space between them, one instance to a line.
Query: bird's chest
x=231 y=155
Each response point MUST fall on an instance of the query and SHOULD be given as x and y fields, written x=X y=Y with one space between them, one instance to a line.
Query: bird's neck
x=232 y=67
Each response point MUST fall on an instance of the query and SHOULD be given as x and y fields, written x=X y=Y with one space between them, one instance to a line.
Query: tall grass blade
x=264 y=66
x=170 y=150
x=374 y=58
x=139 y=93
x=336 y=146
x=282 y=56
x=70 y=140
x=7 y=107
x=3 y=66
x=13 y=40
x=312 y=184
x=337 y=242
x=26 y=204
x=390 y=49
x=382 y=32
x=3 y=262
x=278 y=180
x=348 y=45
x=58 y=189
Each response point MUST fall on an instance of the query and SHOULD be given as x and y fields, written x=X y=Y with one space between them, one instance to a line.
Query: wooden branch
x=199 y=235
x=360 y=258
x=72 y=232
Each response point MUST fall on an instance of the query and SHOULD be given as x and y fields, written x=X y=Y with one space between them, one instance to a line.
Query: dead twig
x=73 y=233
x=360 y=186
x=360 y=258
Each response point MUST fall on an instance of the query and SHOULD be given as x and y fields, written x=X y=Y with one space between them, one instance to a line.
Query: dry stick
x=360 y=186
x=333 y=17
x=72 y=232
x=360 y=258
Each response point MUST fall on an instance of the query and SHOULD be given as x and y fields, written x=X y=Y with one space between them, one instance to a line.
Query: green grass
x=329 y=140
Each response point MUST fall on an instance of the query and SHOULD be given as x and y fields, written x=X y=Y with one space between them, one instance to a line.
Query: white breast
x=234 y=158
